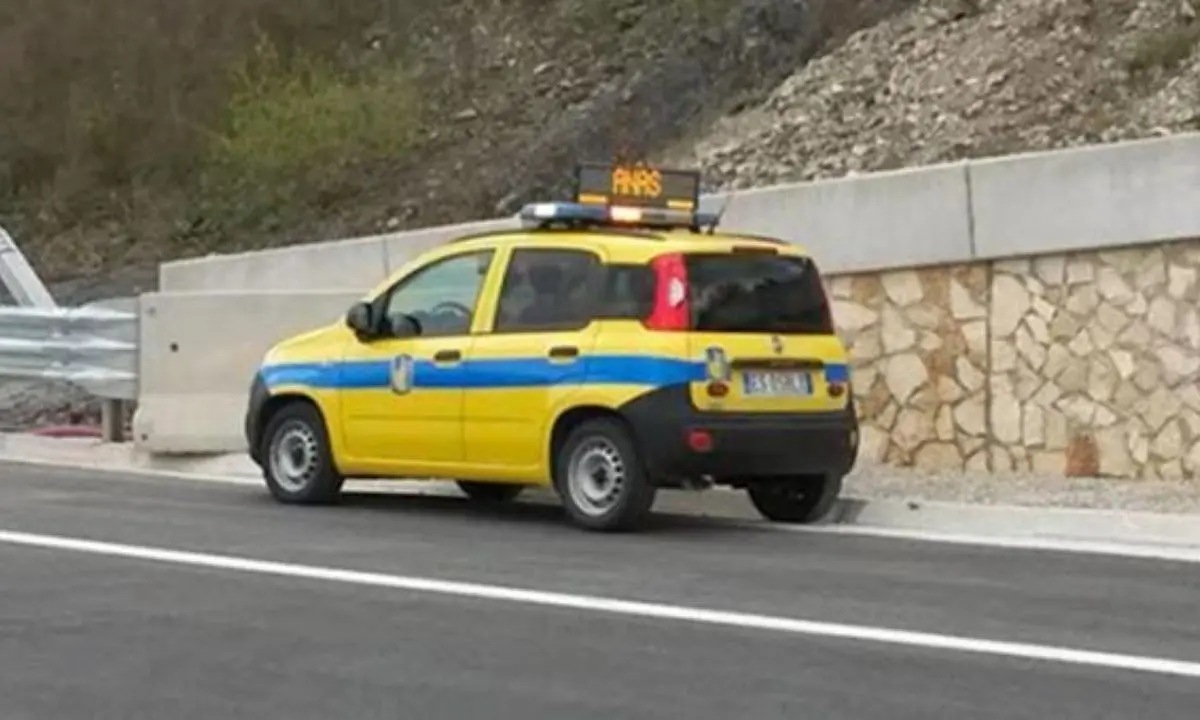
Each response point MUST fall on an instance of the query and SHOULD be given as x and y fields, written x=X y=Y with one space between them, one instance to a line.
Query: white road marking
x=588 y=603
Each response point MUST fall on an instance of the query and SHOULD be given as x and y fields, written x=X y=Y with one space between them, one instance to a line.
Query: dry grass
x=111 y=114
x=142 y=130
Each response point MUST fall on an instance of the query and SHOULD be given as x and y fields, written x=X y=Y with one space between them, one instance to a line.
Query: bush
x=286 y=117
x=292 y=133
x=1165 y=50
x=111 y=111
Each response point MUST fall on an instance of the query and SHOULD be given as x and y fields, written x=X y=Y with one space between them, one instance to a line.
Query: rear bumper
x=743 y=446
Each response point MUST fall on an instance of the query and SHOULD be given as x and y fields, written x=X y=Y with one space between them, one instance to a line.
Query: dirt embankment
x=222 y=125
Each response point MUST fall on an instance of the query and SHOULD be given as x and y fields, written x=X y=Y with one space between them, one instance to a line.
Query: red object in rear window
x=671 y=307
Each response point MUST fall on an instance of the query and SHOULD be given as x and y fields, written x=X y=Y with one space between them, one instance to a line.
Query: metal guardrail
x=94 y=347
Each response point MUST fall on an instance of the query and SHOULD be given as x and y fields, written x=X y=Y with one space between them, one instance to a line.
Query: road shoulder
x=1073 y=514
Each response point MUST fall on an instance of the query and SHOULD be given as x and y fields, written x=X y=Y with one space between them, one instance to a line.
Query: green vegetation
x=137 y=131
x=1167 y=50
x=292 y=131
x=144 y=129
x=289 y=118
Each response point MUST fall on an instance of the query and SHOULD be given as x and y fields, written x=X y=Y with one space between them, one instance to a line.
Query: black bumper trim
x=745 y=445
x=253 y=421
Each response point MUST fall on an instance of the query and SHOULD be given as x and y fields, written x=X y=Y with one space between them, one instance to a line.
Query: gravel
x=954 y=79
x=1026 y=489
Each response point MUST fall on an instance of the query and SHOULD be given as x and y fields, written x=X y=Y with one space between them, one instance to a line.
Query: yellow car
x=612 y=346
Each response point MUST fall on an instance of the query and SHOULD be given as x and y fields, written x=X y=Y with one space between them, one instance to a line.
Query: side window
x=626 y=292
x=442 y=296
x=547 y=289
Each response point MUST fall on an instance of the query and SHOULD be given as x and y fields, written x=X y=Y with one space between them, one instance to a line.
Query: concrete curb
x=1048 y=524
x=964 y=522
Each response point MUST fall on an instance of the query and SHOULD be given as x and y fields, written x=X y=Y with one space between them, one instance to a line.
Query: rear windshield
x=757 y=292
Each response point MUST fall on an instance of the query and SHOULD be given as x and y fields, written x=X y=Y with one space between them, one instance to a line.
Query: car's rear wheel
x=488 y=492
x=298 y=462
x=600 y=477
x=798 y=499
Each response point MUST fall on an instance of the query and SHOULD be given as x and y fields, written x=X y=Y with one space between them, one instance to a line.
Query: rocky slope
x=953 y=79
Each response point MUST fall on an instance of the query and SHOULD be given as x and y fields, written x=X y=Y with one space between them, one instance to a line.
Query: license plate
x=776 y=383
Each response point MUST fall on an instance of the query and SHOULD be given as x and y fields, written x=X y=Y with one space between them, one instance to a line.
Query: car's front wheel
x=298 y=463
x=600 y=477
x=799 y=499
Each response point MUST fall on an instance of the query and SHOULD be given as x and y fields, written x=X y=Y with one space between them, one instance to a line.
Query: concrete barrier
x=904 y=218
x=1098 y=196
x=354 y=264
x=199 y=352
x=948 y=216
x=335 y=265
x=907 y=217
x=1086 y=198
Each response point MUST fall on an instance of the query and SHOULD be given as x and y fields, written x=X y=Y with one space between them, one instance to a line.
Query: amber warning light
x=637 y=185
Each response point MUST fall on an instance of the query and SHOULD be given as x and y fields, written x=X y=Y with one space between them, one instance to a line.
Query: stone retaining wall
x=1084 y=364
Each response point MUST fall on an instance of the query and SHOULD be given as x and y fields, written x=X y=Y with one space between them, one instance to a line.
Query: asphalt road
x=99 y=635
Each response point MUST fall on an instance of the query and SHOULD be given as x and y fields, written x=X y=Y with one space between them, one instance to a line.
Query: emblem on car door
x=402 y=374
x=777 y=344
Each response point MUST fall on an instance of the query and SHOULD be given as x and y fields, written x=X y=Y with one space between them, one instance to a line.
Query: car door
x=533 y=353
x=407 y=420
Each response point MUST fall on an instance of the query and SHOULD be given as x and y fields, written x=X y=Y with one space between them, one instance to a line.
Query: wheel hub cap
x=596 y=476
x=294 y=457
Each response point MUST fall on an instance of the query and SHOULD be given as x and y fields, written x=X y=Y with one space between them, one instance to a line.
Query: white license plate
x=776 y=383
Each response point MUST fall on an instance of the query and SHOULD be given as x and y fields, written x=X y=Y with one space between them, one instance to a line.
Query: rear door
x=760 y=318
x=534 y=353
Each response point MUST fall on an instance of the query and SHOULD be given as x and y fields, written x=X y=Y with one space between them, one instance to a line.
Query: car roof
x=641 y=242
x=622 y=245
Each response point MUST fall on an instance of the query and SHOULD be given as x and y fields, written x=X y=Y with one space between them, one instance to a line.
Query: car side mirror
x=402 y=326
x=359 y=319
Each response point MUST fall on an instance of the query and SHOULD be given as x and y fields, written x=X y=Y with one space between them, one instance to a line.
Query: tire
x=488 y=492
x=622 y=499
x=306 y=476
x=802 y=499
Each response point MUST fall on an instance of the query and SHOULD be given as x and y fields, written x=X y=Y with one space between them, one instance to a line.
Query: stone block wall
x=1084 y=364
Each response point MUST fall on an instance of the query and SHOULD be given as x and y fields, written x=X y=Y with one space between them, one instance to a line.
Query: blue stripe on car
x=503 y=373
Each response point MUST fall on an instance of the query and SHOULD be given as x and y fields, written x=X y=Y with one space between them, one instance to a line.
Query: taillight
x=670 y=311
x=700 y=441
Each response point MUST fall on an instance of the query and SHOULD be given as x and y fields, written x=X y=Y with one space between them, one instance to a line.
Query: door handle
x=447 y=356
x=564 y=351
